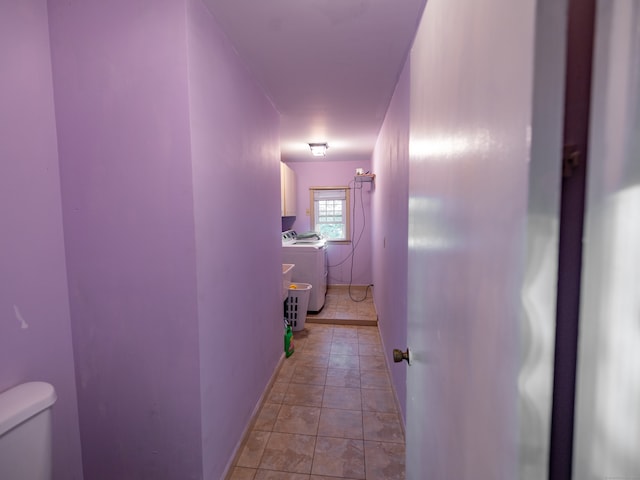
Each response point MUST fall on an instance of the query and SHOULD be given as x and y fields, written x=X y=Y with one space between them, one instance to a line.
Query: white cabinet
x=287 y=190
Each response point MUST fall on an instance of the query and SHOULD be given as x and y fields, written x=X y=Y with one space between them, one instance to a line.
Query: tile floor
x=330 y=413
x=339 y=308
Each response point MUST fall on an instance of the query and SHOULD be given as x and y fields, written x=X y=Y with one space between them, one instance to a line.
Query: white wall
x=485 y=99
x=389 y=230
x=33 y=278
x=607 y=421
x=234 y=147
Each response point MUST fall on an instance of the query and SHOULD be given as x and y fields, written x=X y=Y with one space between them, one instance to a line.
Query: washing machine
x=308 y=252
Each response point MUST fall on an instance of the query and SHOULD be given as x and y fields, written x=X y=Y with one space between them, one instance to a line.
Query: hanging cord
x=353 y=246
x=356 y=245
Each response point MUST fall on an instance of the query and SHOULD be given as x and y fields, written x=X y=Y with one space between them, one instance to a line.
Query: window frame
x=347 y=211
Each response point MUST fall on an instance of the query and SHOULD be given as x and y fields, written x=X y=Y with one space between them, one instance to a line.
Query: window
x=330 y=212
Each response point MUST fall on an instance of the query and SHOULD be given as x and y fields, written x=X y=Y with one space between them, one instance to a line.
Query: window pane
x=330 y=212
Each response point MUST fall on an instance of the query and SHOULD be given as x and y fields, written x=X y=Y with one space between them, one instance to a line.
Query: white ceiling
x=329 y=66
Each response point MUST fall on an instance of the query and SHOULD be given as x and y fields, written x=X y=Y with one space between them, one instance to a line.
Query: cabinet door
x=288 y=193
x=283 y=169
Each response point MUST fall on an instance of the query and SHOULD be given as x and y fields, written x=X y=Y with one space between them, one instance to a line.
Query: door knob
x=399 y=356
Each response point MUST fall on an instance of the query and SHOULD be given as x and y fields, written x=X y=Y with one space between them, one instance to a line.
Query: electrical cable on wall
x=354 y=246
x=354 y=242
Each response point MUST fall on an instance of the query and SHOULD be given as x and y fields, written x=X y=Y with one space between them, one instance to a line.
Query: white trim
x=228 y=471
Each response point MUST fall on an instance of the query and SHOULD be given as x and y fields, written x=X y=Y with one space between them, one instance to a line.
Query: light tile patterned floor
x=340 y=307
x=330 y=413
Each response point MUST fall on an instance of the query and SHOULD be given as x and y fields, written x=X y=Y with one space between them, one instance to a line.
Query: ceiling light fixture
x=318 y=149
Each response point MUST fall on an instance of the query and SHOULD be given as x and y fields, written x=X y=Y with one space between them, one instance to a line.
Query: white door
x=485 y=143
x=607 y=418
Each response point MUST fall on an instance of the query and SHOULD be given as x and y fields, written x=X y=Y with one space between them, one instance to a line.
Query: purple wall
x=338 y=174
x=477 y=389
x=120 y=83
x=32 y=259
x=390 y=226
x=236 y=175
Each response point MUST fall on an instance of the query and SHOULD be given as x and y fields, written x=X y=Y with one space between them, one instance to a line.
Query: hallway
x=329 y=414
x=141 y=195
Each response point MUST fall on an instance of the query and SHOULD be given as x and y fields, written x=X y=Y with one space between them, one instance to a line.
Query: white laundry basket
x=297 y=304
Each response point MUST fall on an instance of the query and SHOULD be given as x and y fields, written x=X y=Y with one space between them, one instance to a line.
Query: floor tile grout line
x=264 y=450
x=359 y=370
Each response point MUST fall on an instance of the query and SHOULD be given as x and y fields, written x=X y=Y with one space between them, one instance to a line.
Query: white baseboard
x=393 y=387
x=252 y=421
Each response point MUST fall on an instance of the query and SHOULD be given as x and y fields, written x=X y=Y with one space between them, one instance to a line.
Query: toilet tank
x=25 y=431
